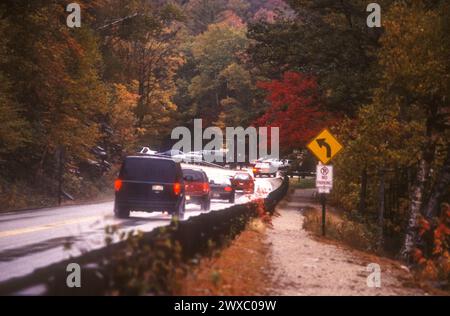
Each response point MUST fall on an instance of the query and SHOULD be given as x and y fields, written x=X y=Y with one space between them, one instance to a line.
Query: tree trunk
x=61 y=152
x=440 y=189
x=40 y=168
x=141 y=103
x=363 y=191
x=416 y=200
x=417 y=192
x=217 y=100
x=381 y=210
x=416 y=195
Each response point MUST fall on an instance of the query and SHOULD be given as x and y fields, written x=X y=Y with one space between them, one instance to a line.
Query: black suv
x=149 y=184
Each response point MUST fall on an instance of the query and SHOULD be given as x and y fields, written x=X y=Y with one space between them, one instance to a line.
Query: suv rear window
x=197 y=176
x=149 y=170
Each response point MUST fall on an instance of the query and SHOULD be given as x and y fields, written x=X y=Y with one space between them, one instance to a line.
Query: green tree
x=121 y=117
x=142 y=47
x=405 y=126
x=328 y=39
x=55 y=77
x=222 y=83
x=14 y=130
x=202 y=13
x=416 y=78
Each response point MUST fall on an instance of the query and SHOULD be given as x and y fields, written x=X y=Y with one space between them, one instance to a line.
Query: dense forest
x=136 y=69
x=132 y=72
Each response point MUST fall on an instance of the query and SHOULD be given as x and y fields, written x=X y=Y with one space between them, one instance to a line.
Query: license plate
x=158 y=188
x=216 y=195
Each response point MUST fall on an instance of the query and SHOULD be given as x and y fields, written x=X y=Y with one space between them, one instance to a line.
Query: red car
x=197 y=188
x=244 y=181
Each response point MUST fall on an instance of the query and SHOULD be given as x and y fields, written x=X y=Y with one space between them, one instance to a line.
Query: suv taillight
x=205 y=187
x=177 y=188
x=118 y=185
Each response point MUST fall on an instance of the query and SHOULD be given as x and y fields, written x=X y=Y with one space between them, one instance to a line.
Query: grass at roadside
x=16 y=196
x=300 y=183
x=240 y=269
x=340 y=228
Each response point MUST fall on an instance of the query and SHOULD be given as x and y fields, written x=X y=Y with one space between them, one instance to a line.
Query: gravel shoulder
x=304 y=265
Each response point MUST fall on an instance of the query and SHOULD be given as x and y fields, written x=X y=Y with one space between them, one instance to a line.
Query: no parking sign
x=324 y=178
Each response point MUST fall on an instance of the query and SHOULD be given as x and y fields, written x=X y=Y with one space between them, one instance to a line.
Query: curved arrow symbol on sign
x=322 y=143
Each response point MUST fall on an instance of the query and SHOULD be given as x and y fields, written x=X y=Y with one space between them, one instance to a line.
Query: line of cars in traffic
x=264 y=163
x=203 y=155
x=155 y=183
x=269 y=166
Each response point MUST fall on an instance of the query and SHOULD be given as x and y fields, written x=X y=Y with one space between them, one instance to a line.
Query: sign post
x=323 y=198
x=324 y=184
x=324 y=146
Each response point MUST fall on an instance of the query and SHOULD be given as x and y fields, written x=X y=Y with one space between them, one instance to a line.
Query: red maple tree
x=294 y=108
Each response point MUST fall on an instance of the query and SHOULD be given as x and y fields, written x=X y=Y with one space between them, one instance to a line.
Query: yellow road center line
x=33 y=229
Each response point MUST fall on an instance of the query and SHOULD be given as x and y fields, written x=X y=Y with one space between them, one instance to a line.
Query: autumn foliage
x=263 y=214
x=433 y=255
x=294 y=107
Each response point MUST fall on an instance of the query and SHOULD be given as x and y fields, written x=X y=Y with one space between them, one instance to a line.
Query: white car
x=180 y=157
x=254 y=162
x=193 y=156
x=265 y=169
x=275 y=162
x=147 y=151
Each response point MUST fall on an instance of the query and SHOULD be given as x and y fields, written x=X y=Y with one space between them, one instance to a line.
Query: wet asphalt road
x=37 y=238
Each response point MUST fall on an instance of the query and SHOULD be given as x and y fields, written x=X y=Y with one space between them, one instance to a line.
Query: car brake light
x=118 y=185
x=205 y=187
x=228 y=189
x=177 y=188
x=255 y=170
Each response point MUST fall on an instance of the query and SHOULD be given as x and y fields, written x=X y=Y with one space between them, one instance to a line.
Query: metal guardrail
x=195 y=236
x=277 y=195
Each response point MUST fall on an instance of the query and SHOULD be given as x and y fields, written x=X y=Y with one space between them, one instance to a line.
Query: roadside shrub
x=353 y=233
x=433 y=257
x=20 y=195
x=262 y=212
x=143 y=267
x=306 y=183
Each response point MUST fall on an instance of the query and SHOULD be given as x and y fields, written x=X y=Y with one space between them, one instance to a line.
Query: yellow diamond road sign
x=325 y=146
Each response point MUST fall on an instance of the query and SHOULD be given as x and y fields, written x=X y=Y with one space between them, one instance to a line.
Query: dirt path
x=302 y=265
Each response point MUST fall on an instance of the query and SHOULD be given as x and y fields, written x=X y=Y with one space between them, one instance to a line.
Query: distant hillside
x=205 y=12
